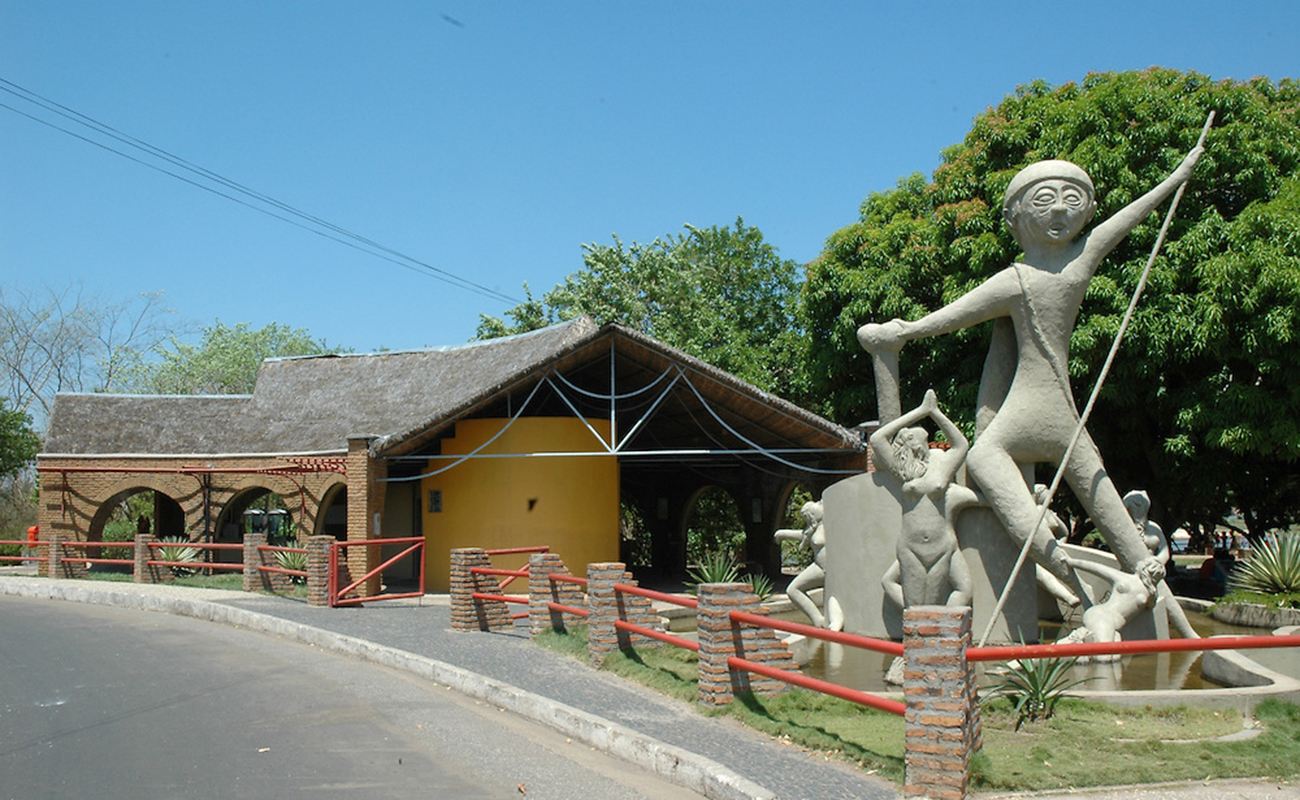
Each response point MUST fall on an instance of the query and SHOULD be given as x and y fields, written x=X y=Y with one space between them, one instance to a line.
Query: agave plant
x=1034 y=686
x=717 y=567
x=293 y=560
x=720 y=567
x=1273 y=567
x=760 y=585
x=178 y=548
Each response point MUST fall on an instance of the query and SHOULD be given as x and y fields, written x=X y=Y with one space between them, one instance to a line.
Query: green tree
x=722 y=294
x=18 y=442
x=1201 y=408
x=19 y=445
x=224 y=362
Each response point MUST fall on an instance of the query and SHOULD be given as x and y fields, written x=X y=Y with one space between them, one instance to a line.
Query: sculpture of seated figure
x=813 y=576
x=930 y=569
x=1027 y=413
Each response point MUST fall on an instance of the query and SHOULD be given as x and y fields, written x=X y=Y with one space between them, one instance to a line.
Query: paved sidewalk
x=716 y=757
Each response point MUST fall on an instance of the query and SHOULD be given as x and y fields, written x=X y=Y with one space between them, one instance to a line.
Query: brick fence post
x=605 y=606
x=143 y=553
x=720 y=639
x=542 y=590
x=318 y=570
x=53 y=562
x=468 y=614
x=942 y=728
x=253 y=581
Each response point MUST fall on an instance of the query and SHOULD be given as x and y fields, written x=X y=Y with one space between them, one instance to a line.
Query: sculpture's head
x=1139 y=505
x=911 y=452
x=812 y=512
x=1048 y=202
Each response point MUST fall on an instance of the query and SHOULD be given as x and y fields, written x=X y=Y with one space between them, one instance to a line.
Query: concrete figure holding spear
x=1027 y=410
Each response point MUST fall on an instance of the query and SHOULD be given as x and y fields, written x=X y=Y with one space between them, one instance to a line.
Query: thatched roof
x=301 y=405
x=409 y=399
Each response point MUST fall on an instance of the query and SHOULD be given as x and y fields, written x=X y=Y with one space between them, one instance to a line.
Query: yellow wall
x=567 y=502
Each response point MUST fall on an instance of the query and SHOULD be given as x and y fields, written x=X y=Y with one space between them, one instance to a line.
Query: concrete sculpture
x=930 y=568
x=1026 y=411
x=813 y=537
x=1139 y=505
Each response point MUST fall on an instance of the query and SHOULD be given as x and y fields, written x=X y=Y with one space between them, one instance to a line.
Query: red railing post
x=320 y=576
x=942 y=723
x=721 y=639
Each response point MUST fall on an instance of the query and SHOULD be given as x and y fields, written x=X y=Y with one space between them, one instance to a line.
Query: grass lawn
x=1083 y=744
x=230 y=581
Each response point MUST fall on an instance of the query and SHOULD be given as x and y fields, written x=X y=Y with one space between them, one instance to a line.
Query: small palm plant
x=178 y=549
x=1273 y=567
x=1034 y=686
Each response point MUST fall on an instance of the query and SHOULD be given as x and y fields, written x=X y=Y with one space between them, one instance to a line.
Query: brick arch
x=179 y=520
x=335 y=492
x=235 y=500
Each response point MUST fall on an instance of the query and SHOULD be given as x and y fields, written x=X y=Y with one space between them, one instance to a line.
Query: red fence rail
x=803 y=681
x=663 y=597
x=27 y=543
x=554 y=606
x=101 y=558
x=292 y=573
x=511 y=575
x=204 y=548
x=338 y=595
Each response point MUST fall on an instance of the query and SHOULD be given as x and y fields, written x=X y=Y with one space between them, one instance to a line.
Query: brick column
x=318 y=569
x=468 y=614
x=942 y=721
x=366 y=491
x=141 y=571
x=720 y=639
x=541 y=590
x=605 y=606
x=54 y=558
x=253 y=577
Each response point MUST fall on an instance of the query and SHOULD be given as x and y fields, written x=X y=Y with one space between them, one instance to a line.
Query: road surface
x=105 y=702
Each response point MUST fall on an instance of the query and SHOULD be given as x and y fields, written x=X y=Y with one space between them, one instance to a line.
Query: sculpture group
x=1026 y=415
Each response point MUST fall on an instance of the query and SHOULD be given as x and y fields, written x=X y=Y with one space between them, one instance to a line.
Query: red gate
x=338 y=594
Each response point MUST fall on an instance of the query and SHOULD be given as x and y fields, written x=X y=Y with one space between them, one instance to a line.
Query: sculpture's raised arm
x=1107 y=234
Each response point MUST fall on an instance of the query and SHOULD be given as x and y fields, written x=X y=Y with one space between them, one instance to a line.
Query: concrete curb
x=686 y=769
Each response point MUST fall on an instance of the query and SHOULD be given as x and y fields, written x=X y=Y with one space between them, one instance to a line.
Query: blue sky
x=491 y=140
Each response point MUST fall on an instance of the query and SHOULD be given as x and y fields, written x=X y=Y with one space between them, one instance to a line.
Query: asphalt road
x=105 y=702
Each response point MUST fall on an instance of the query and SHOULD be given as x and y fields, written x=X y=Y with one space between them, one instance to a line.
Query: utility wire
x=296 y=217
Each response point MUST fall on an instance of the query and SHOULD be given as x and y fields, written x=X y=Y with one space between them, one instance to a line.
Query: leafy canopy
x=1201 y=408
x=721 y=294
x=18 y=442
x=224 y=362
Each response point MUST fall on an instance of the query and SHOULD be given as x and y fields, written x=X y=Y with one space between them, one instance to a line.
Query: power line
x=296 y=217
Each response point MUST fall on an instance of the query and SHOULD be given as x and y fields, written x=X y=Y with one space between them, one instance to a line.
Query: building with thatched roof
x=526 y=440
